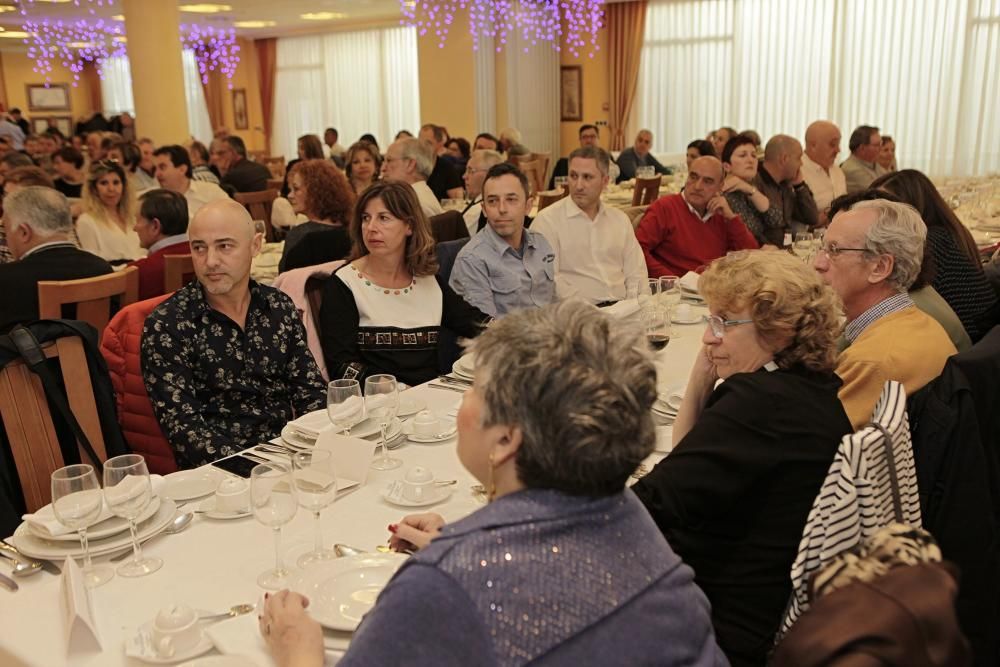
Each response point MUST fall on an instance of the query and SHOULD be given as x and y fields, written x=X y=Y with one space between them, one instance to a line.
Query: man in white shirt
x=475 y=175
x=173 y=172
x=410 y=161
x=825 y=179
x=331 y=140
x=597 y=253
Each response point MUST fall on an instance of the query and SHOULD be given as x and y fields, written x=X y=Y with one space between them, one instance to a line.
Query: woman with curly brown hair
x=751 y=454
x=382 y=312
x=319 y=191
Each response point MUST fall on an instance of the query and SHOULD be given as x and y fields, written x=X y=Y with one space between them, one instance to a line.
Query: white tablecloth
x=214 y=564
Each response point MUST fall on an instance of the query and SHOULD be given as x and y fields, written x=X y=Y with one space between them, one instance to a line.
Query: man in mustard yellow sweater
x=871 y=255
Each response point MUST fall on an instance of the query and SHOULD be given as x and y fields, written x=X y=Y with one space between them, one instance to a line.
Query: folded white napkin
x=622 y=309
x=312 y=423
x=352 y=410
x=45 y=520
x=689 y=282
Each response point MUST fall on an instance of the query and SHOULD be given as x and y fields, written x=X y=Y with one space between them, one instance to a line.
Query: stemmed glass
x=803 y=246
x=344 y=404
x=127 y=491
x=382 y=402
x=648 y=297
x=656 y=323
x=670 y=292
x=316 y=485
x=77 y=503
x=273 y=498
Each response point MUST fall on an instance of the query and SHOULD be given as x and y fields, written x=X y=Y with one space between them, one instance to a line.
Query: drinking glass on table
x=649 y=297
x=803 y=245
x=381 y=404
x=77 y=503
x=315 y=479
x=656 y=323
x=128 y=492
x=645 y=172
x=274 y=503
x=670 y=292
x=344 y=404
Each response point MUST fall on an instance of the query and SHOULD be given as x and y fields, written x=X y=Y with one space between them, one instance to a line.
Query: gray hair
x=511 y=133
x=593 y=153
x=414 y=149
x=489 y=157
x=43 y=209
x=580 y=387
x=899 y=231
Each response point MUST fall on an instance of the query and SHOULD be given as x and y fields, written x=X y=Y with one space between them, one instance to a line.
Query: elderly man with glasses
x=871 y=255
x=475 y=175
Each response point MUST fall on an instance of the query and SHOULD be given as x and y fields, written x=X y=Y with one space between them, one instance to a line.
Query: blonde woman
x=106 y=226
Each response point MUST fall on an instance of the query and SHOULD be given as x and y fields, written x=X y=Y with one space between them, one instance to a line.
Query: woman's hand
x=415 y=531
x=736 y=184
x=295 y=639
x=704 y=374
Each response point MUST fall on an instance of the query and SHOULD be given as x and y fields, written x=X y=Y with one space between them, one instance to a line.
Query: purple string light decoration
x=535 y=21
x=213 y=50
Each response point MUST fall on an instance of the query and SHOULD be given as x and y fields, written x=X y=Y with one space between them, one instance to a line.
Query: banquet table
x=213 y=565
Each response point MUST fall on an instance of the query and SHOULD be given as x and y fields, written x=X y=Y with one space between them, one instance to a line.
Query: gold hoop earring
x=491 y=486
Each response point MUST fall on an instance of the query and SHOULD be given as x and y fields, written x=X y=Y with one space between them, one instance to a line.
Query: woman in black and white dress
x=383 y=311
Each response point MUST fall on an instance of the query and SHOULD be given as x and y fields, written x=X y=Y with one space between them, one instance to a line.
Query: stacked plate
x=668 y=403
x=464 y=368
x=302 y=433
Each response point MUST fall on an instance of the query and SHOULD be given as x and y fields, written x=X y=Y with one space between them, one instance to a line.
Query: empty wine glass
x=77 y=503
x=670 y=291
x=273 y=498
x=344 y=404
x=382 y=403
x=127 y=491
x=648 y=297
x=316 y=486
x=803 y=246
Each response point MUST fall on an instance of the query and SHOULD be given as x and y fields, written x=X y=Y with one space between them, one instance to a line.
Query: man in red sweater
x=684 y=232
x=162 y=228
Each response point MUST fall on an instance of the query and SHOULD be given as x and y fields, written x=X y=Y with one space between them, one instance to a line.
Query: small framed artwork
x=39 y=124
x=240 y=119
x=64 y=124
x=54 y=97
x=571 y=92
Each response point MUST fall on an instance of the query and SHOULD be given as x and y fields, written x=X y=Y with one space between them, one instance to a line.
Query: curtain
x=625 y=23
x=212 y=90
x=267 y=66
x=199 y=122
x=533 y=68
x=92 y=80
x=924 y=71
x=358 y=82
x=116 y=87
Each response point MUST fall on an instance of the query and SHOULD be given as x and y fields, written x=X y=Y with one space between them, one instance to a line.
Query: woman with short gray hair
x=563 y=566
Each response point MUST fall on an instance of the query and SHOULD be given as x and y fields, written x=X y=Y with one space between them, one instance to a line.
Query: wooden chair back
x=275 y=183
x=448 y=226
x=28 y=422
x=545 y=159
x=536 y=176
x=549 y=197
x=647 y=190
x=92 y=296
x=259 y=205
x=635 y=214
x=178 y=271
x=275 y=165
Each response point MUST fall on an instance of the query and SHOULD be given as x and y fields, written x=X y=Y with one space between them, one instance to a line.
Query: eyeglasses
x=719 y=325
x=470 y=170
x=832 y=250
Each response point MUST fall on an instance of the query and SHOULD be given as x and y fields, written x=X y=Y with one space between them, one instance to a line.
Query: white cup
x=682 y=311
x=175 y=630
x=417 y=483
x=425 y=424
x=232 y=496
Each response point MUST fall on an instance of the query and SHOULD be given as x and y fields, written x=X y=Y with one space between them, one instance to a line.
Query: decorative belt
x=397 y=339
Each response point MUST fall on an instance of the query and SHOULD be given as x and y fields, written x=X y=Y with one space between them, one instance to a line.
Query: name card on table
x=353 y=457
x=78 y=614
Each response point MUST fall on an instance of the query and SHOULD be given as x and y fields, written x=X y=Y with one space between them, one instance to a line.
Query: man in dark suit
x=239 y=174
x=39 y=225
x=162 y=228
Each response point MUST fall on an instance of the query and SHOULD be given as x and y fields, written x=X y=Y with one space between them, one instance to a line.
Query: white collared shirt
x=471 y=217
x=825 y=185
x=704 y=217
x=428 y=200
x=167 y=241
x=596 y=258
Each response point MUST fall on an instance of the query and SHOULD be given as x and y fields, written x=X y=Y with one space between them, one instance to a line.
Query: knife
x=8 y=583
x=48 y=566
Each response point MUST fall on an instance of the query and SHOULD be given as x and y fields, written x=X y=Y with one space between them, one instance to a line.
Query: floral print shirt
x=216 y=388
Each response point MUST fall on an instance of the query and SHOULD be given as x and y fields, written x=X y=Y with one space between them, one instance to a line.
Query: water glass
x=344 y=404
x=648 y=296
x=803 y=246
x=645 y=172
x=381 y=404
x=127 y=491
x=315 y=479
x=274 y=503
x=670 y=291
x=77 y=503
x=560 y=182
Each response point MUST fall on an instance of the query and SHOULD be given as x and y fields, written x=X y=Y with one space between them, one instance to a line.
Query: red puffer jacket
x=120 y=347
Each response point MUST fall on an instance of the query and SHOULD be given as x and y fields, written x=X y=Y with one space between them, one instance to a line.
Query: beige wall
x=247 y=76
x=17 y=75
x=596 y=94
x=447 y=90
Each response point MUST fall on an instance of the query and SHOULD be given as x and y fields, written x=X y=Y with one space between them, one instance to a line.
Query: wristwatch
x=753 y=191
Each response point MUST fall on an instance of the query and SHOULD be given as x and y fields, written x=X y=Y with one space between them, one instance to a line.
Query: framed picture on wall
x=571 y=92
x=39 y=124
x=55 y=97
x=240 y=119
x=64 y=124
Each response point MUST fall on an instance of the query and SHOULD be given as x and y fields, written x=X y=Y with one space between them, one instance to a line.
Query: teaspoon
x=234 y=611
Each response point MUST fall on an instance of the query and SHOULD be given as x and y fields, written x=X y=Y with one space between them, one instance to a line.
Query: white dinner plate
x=190 y=484
x=344 y=590
x=464 y=367
x=393 y=493
x=410 y=405
x=448 y=429
x=219 y=661
x=99 y=531
x=208 y=507
x=693 y=319
x=671 y=397
x=139 y=645
x=370 y=428
x=35 y=547
x=296 y=438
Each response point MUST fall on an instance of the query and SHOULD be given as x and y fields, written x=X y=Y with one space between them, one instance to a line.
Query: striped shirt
x=880 y=309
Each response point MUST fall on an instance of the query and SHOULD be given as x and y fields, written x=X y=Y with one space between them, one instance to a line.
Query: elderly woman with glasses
x=750 y=455
x=563 y=566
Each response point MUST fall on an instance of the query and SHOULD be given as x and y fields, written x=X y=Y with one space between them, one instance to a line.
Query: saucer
x=393 y=494
x=208 y=507
x=139 y=645
x=450 y=428
x=190 y=484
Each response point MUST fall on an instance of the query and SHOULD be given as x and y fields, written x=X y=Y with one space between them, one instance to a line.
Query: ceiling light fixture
x=255 y=24
x=322 y=16
x=205 y=8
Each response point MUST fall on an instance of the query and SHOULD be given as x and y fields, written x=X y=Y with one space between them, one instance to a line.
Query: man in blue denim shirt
x=505 y=267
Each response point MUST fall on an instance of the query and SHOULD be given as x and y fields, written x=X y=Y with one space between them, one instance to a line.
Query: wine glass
x=316 y=486
x=670 y=291
x=656 y=323
x=382 y=402
x=648 y=298
x=127 y=491
x=344 y=404
x=77 y=502
x=803 y=245
x=273 y=498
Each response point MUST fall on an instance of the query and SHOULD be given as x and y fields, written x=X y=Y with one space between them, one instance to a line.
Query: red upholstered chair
x=120 y=347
